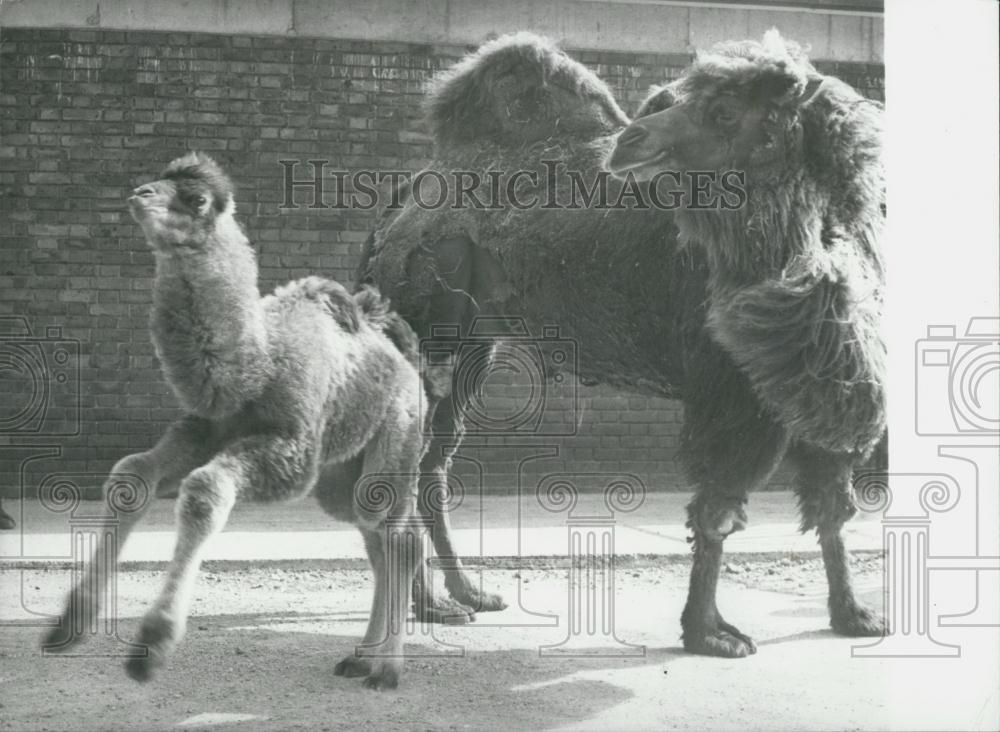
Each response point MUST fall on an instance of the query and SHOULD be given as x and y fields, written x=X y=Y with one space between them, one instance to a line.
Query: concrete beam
x=636 y=26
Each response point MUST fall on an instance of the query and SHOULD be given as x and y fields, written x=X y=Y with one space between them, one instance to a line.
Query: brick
x=127 y=102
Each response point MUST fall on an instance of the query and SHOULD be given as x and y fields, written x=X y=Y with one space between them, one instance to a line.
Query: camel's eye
x=198 y=201
x=726 y=112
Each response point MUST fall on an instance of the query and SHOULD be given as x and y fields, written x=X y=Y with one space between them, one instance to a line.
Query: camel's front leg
x=206 y=497
x=185 y=446
x=253 y=467
x=729 y=447
x=826 y=501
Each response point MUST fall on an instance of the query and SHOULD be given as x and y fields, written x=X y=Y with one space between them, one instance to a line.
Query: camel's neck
x=781 y=220
x=208 y=324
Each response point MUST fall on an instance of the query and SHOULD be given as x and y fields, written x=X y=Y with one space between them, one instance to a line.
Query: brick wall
x=86 y=115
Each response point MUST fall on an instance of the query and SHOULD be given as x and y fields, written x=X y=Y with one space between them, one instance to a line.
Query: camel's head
x=739 y=107
x=519 y=89
x=183 y=207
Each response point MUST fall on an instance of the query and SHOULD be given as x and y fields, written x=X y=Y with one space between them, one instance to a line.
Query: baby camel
x=278 y=391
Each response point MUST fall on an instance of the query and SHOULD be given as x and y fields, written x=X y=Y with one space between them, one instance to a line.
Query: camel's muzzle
x=649 y=144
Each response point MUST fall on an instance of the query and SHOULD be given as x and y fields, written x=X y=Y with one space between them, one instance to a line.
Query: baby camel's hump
x=347 y=376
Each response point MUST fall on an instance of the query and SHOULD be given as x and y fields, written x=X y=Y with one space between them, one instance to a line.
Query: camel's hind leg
x=393 y=542
x=729 y=447
x=255 y=467
x=186 y=445
x=447 y=433
x=394 y=550
x=335 y=493
x=470 y=277
x=826 y=501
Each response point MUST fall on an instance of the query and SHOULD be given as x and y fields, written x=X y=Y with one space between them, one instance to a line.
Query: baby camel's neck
x=208 y=325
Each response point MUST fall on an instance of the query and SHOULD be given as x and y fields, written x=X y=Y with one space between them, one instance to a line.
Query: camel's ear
x=814 y=89
x=660 y=98
x=777 y=86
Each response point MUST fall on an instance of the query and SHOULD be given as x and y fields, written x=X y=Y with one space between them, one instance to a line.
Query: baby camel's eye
x=198 y=201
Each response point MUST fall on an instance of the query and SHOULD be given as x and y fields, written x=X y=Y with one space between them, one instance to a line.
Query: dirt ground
x=262 y=643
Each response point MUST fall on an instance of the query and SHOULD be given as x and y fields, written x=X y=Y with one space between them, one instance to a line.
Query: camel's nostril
x=143 y=191
x=632 y=135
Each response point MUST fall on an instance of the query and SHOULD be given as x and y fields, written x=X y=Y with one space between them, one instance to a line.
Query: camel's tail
x=376 y=310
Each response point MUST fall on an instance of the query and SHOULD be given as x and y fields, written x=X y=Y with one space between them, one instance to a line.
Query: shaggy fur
x=796 y=275
x=447 y=267
x=279 y=392
x=637 y=303
x=512 y=90
x=795 y=282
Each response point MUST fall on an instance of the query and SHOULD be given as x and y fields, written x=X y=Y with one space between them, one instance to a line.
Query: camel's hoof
x=479 y=601
x=857 y=622
x=444 y=611
x=725 y=643
x=385 y=677
x=352 y=666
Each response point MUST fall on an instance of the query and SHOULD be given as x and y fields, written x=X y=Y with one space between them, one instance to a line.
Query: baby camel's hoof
x=352 y=666
x=60 y=638
x=142 y=669
x=857 y=622
x=724 y=642
x=479 y=601
x=158 y=634
x=386 y=677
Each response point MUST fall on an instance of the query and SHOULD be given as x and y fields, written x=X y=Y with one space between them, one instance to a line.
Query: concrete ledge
x=248 y=548
x=845 y=32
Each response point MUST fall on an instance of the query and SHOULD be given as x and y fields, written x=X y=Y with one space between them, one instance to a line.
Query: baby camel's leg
x=393 y=542
x=393 y=551
x=252 y=467
x=185 y=446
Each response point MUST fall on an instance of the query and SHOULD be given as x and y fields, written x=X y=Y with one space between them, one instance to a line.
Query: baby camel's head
x=182 y=208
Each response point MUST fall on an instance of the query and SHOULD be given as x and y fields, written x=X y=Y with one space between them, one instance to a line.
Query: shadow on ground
x=285 y=679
